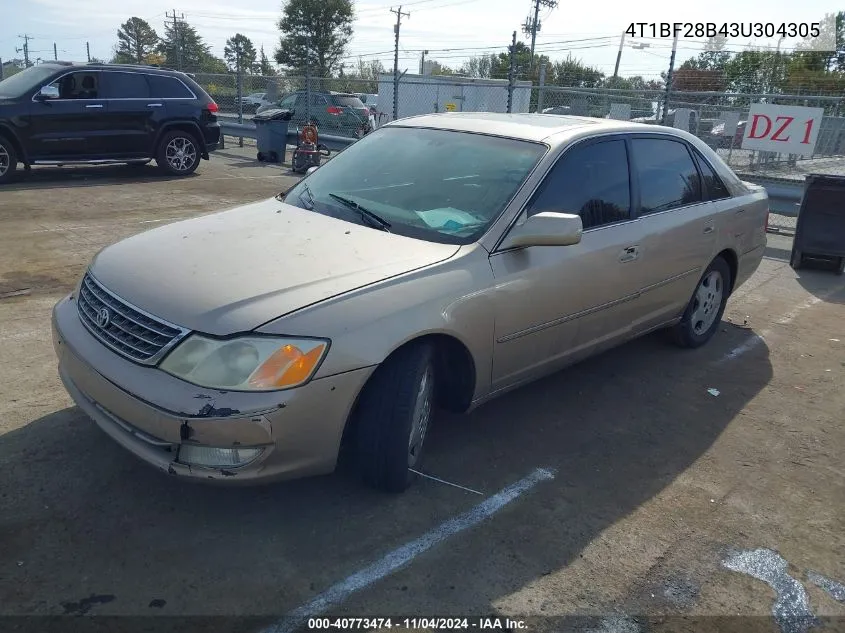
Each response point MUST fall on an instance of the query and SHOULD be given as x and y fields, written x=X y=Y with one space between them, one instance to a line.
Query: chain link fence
x=352 y=107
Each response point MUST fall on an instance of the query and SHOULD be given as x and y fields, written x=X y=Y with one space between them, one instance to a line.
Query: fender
x=182 y=122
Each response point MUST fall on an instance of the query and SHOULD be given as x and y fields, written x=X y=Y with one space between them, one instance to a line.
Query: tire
x=707 y=305
x=796 y=259
x=393 y=416
x=167 y=155
x=8 y=160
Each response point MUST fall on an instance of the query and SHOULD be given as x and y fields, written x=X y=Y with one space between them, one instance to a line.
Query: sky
x=451 y=30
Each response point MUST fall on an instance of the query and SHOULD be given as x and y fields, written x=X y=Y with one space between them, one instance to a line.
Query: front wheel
x=178 y=153
x=706 y=307
x=394 y=413
x=8 y=160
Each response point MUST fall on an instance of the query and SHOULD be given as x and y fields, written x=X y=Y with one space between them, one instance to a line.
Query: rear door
x=679 y=222
x=74 y=126
x=177 y=99
x=134 y=117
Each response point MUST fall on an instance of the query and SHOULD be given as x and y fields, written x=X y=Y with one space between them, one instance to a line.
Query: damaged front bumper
x=168 y=422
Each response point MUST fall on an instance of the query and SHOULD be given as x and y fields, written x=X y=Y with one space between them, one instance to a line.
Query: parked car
x=334 y=112
x=252 y=102
x=480 y=252
x=61 y=113
x=719 y=139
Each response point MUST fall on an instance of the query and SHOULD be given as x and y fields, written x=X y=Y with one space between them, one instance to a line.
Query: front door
x=555 y=304
x=73 y=126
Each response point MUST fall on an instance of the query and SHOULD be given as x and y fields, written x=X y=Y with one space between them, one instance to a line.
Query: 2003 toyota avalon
x=477 y=252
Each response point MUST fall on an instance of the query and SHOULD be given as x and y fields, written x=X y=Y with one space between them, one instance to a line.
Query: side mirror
x=545 y=229
x=48 y=92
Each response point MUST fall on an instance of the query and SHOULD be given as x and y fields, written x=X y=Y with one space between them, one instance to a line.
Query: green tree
x=240 y=53
x=184 y=49
x=757 y=70
x=324 y=26
x=135 y=40
x=572 y=72
x=480 y=66
x=264 y=66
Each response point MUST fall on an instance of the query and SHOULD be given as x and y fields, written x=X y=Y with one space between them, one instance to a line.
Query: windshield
x=20 y=83
x=436 y=185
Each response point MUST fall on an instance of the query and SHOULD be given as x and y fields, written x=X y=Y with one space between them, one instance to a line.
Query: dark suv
x=336 y=113
x=60 y=112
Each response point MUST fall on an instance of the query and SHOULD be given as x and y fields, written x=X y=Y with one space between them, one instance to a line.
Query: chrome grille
x=122 y=327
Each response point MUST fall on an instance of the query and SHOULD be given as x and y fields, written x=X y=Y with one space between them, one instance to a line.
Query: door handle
x=95 y=105
x=154 y=105
x=708 y=229
x=629 y=254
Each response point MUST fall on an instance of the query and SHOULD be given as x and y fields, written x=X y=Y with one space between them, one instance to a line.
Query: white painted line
x=400 y=557
x=758 y=338
x=100 y=226
x=443 y=481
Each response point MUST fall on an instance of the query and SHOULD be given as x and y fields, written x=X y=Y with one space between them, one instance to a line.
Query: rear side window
x=712 y=187
x=162 y=87
x=591 y=181
x=125 y=86
x=348 y=102
x=667 y=175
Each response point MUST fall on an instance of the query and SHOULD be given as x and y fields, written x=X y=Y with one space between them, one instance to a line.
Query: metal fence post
x=308 y=81
x=511 y=72
x=669 y=79
x=541 y=87
x=240 y=93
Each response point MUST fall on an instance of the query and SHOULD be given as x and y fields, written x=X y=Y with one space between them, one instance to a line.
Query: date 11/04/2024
x=421 y=623
x=725 y=29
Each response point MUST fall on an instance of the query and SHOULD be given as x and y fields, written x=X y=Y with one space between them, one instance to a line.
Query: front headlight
x=248 y=363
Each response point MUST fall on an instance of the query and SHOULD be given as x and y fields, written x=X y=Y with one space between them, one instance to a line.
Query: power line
x=532 y=25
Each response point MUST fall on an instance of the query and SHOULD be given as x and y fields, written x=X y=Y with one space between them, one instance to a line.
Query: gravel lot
x=657 y=506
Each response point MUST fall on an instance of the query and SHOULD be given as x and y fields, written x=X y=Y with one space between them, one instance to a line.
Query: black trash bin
x=820 y=231
x=271 y=131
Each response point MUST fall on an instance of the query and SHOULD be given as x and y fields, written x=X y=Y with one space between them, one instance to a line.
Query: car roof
x=529 y=127
x=59 y=65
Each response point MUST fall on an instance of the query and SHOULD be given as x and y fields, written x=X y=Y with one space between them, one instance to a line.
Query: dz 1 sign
x=784 y=129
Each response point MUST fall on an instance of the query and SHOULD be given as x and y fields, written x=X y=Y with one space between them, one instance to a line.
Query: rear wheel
x=8 y=160
x=393 y=417
x=706 y=307
x=178 y=153
x=796 y=259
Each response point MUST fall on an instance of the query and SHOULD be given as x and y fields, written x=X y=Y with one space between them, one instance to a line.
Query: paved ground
x=657 y=499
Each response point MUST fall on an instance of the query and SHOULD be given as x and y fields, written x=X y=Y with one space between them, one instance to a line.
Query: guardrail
x=784 y=195
x=247 y=130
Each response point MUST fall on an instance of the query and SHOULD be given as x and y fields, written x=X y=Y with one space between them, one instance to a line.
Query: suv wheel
x=8 y=160
x=178 y=153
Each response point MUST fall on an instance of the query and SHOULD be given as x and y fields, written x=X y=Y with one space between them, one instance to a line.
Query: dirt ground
x=677 y=490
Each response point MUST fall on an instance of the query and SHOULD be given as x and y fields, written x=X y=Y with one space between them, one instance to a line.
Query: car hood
x=236 y=270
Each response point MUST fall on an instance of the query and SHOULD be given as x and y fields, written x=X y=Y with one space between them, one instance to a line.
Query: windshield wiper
x=374 y=219
x=307 y=190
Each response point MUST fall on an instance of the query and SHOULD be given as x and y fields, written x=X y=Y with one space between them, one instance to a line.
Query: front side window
x=591 y=181
x=80 y=85
x=22 y=82
x=436 y=185
x=668 y=177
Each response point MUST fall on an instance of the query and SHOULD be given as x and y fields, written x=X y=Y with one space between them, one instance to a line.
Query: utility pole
x=55 y=52
x=422 y=62
x=177 y=37
x=511 y=72
x=88 y=50
x=25 y=49
x=532 y=24
x=619 y=56
x=396 y=27
x=669 y=79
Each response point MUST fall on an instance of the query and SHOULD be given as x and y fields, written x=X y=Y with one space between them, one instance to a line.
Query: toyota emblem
x=103 y=318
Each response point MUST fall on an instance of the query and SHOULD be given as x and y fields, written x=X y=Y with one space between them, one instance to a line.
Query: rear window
x=162 y=87
x=348 y=102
